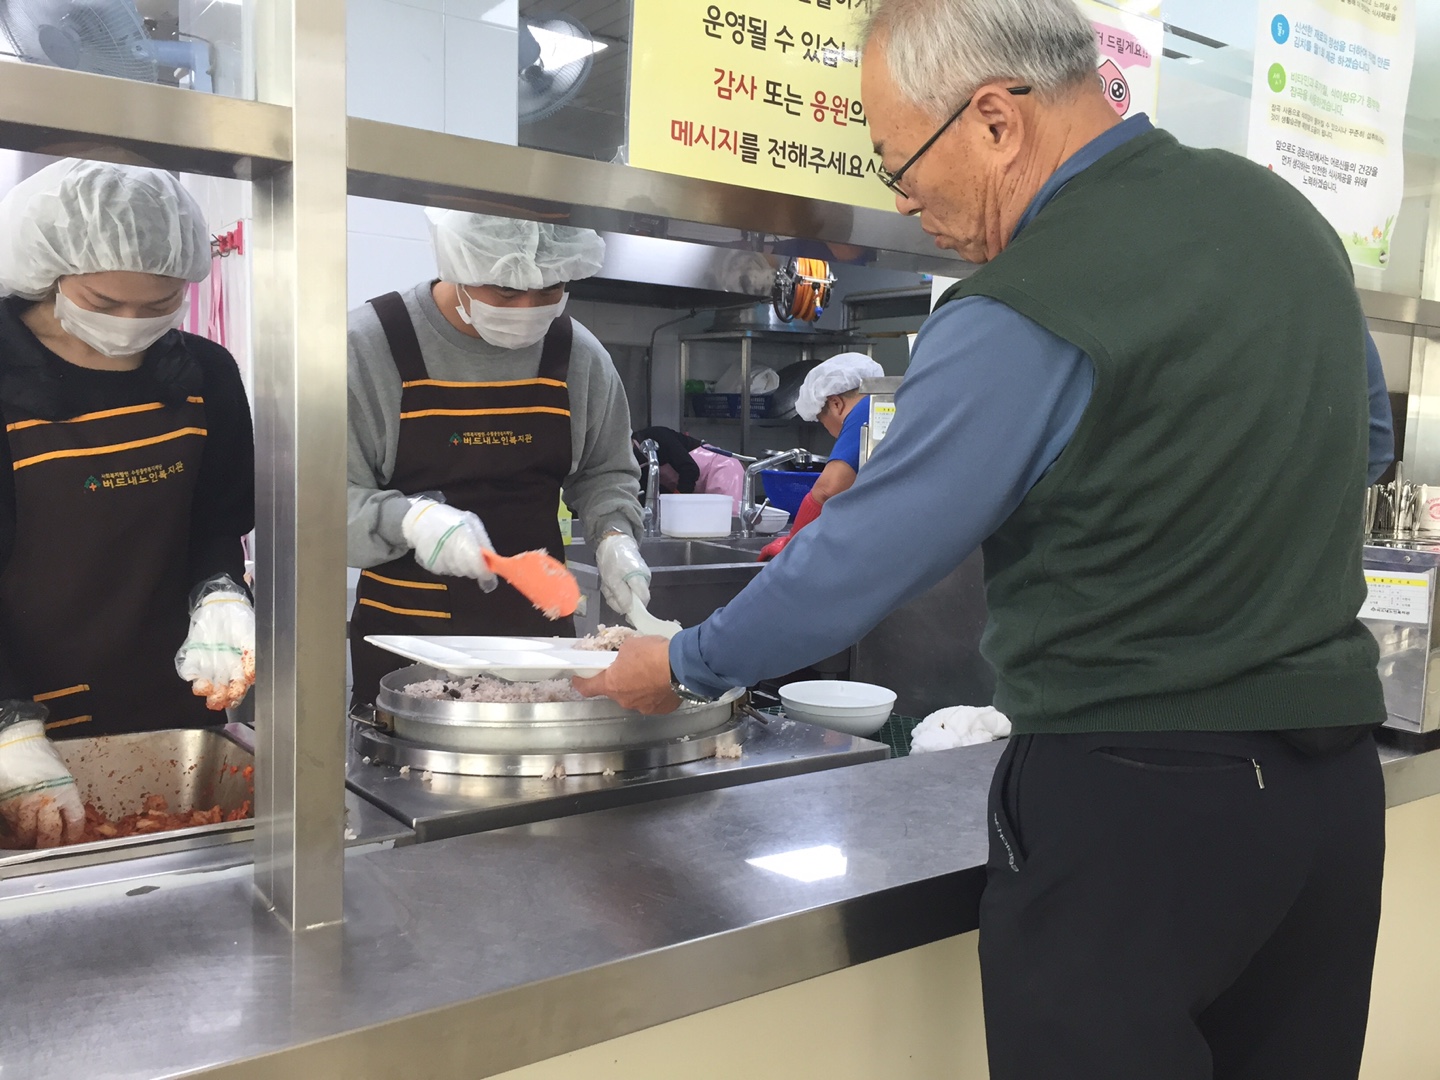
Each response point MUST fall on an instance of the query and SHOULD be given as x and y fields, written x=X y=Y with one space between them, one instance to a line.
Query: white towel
x=960 y=725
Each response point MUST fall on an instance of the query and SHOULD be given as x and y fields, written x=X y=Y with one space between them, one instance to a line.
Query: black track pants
x=1180 y=906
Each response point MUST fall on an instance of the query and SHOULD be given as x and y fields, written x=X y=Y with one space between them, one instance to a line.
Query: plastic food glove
x=624 y=577
x=448 y=541
x=809 y=510
x=218 y=657
x=38 y=798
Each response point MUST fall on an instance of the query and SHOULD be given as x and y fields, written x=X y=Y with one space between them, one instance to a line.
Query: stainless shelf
x=1393 y=307
x=762 y=422
x=783 y=337
x=74 y=114
x=403 y=164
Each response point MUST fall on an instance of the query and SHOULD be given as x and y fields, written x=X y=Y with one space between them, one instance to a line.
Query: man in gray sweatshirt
x=477 y=387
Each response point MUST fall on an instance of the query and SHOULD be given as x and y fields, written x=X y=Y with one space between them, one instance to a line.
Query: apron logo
x=492 y=438
x=149 y=474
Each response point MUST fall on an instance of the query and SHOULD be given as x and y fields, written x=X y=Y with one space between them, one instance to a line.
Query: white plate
x=517 y=659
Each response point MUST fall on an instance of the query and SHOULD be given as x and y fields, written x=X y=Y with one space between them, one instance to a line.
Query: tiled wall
x=442 y=65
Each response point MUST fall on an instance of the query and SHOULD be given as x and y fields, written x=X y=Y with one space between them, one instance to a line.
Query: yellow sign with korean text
x=763 y=93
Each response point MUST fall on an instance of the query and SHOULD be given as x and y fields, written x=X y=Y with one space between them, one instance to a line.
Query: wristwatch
x=685 y=694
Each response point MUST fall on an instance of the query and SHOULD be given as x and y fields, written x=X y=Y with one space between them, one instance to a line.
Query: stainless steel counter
x=515 y=945
x=473 y=955
x=1408 y=775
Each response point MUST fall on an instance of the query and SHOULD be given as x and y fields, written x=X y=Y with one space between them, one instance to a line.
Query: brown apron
x=95 y=598
x=498 y=449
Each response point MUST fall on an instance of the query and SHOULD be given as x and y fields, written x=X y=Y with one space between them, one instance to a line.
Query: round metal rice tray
x=596 y=724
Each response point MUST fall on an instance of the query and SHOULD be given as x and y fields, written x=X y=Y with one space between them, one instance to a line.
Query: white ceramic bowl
x=692 y=516
x=856 y=708
x=772 y=520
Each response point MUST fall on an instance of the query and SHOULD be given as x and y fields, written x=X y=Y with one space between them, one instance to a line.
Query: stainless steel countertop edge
x=1409 y=776
x=497 y=1032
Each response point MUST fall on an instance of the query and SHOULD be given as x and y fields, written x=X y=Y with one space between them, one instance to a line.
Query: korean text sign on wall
x=764 y=93
x=1327 y=110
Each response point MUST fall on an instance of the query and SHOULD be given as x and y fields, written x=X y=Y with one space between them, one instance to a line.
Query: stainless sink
x=690 y=578
x=666 y=553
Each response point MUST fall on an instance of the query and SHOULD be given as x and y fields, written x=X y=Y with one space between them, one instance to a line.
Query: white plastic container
x=694 y=516
x=855 y=708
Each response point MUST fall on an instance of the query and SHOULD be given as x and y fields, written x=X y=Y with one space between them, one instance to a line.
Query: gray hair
x=940 y=51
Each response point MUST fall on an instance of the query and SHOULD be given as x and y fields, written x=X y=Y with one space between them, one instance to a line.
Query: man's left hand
x=639 y=678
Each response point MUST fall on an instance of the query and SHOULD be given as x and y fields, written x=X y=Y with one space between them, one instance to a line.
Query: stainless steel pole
x=300 y=348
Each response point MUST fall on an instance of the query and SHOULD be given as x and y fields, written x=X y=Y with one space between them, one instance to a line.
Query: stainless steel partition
x=300 y=491
x=292 y=147
x=1422 y=422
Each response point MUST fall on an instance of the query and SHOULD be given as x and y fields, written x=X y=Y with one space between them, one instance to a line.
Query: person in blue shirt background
x=830 y=395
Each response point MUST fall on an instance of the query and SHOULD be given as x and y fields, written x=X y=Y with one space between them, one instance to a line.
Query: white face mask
x=114 y=335
x=509 y=327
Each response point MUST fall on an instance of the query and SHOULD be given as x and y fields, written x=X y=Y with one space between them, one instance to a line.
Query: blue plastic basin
x=787 y=490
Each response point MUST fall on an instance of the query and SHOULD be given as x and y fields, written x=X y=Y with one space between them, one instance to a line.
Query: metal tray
x=594 y=725
x=190 y=767
x=380 y=748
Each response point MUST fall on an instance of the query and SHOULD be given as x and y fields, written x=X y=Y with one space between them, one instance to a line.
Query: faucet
x=651 y=510
x=749 y=512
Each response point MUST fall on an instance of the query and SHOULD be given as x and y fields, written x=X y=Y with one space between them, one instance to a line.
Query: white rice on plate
x=606 y=639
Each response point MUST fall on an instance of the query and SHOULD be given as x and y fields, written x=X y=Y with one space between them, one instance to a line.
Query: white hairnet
x=838 y=375
x=477 y=249
x=88 y=217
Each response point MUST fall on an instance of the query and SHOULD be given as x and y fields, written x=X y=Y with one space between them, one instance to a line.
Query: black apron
x=95 y=598
x=498 y=449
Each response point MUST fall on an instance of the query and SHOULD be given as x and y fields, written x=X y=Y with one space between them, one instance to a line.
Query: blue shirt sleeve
x=1382 y=430
x=847 y=446
x=990 y=401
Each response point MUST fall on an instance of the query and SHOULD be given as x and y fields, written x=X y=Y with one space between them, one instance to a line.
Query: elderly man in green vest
x=1150 y=406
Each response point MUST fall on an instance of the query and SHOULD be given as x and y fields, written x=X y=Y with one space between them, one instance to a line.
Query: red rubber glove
x=809 y=510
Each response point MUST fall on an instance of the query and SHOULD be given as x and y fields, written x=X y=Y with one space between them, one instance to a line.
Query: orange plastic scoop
x=541 y=579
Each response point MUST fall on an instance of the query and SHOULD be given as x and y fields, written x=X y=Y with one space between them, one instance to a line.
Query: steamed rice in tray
x=498 y=691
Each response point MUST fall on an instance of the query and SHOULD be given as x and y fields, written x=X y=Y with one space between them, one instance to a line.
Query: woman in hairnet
x=474 y=401
x=831 y=395
x=126 y=487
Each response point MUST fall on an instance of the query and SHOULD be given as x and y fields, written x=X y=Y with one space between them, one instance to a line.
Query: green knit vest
x=1192 y=561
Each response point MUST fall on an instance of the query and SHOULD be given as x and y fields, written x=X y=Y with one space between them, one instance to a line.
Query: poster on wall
x=1327 y=110
x=769 y=93
x=764 y=93
x=1130 y=37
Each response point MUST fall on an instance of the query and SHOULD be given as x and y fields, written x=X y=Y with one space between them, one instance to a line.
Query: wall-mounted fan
x=104 y=37
x=556 y=55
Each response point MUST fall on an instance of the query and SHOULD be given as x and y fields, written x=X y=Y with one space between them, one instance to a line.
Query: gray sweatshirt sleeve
x=604 y=485
x=375 y=511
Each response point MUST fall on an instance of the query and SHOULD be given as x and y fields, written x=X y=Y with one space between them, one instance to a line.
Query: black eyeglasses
x=892 y=180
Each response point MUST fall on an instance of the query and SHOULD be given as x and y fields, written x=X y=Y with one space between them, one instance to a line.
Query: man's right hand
x=448 y=541
x=38 y=798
